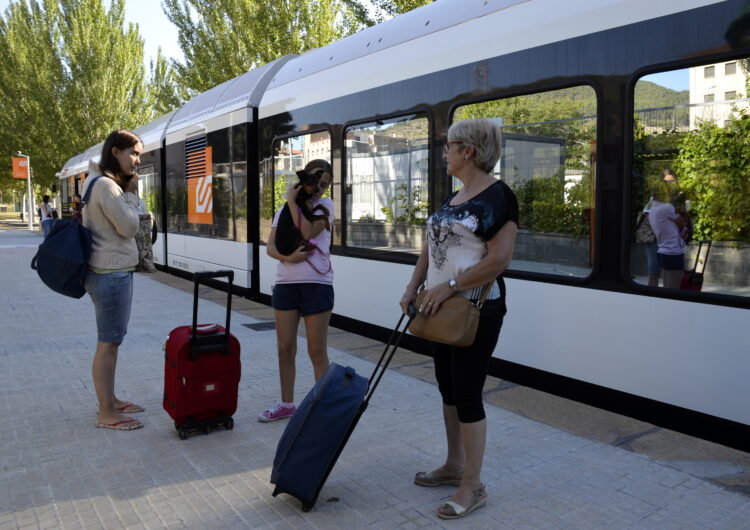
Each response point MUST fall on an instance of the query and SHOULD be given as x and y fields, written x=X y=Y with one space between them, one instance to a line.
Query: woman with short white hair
x=470 y=241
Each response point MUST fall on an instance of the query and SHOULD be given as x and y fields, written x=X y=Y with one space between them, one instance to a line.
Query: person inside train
x=670 y=227
x=470 y=241
x=303 y=290
x=112 y=216
x=75 y=208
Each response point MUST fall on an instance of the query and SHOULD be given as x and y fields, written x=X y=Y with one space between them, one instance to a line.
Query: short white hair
x=483 y=136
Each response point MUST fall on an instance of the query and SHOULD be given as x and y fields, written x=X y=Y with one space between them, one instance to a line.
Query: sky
x=154 y=27
x=676 y=79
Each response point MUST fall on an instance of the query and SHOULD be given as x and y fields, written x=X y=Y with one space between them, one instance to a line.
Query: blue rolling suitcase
x=318 y=431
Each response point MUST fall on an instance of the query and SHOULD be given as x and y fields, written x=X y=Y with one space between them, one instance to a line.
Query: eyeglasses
x=447 y=147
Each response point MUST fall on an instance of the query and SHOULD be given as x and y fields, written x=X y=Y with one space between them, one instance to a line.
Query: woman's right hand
x=409 y=298
x=132 y=185
x=298 y=256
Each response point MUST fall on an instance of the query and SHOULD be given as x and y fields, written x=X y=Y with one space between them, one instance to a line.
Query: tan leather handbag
x=455 y=322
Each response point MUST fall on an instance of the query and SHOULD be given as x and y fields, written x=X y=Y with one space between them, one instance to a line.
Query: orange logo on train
x=200 y=187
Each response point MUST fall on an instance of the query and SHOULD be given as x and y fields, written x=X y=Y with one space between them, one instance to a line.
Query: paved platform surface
x=572 y=467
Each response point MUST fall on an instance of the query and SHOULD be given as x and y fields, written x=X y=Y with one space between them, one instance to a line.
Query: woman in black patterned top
x=470 y=243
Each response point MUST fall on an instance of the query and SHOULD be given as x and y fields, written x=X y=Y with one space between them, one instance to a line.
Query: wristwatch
x=453 y=285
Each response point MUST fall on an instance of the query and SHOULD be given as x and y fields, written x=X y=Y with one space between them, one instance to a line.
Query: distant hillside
x=649 y=95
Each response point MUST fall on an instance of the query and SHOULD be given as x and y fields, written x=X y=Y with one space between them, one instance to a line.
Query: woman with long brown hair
x=112 y=216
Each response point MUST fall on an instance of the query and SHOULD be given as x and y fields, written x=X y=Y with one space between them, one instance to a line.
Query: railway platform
x=550 y=463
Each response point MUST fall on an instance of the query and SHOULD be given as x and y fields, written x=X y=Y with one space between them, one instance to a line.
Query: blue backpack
x=63 y=258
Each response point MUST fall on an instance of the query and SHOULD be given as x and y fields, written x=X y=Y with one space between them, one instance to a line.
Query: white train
x=564 y=80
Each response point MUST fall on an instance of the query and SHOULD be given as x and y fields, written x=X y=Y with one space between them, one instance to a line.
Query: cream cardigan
x=112 y=217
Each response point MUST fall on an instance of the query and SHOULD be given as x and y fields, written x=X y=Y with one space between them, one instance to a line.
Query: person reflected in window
x=644 y=234
x=668 y=224
x=470 y=241
x=303 y=290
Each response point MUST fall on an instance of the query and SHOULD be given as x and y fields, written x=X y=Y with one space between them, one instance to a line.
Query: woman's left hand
x=433 y=298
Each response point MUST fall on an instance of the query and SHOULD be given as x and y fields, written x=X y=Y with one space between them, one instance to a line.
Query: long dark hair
x=121 y=139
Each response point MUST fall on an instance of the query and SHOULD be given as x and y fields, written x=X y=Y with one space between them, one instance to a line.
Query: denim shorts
x=671 y=262
x=652 y=259
x=112 y=294
x=307 y=298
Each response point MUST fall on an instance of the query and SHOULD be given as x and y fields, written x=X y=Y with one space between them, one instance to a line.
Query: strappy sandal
x=453 y=510
x=428 y=480
x=129 y=408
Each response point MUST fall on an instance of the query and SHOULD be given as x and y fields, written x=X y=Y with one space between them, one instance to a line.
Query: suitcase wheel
x=229 y=424
x=206 y=429
x=306 y=507
x=183 y=433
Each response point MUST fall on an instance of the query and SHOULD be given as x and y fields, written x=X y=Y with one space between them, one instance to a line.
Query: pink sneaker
x=278 y=412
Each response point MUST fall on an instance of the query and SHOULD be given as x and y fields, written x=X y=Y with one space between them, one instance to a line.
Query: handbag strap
x=315 y=247
x=87 y=195
x=484 y=293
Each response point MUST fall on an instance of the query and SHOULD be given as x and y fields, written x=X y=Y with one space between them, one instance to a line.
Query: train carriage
x=572 y=91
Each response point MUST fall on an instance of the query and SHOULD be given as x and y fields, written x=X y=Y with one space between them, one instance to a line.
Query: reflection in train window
x=386 y=178
x=207 y=185
x=290 y=155
x=548 y=159
x=690 y=182
x=149 y=189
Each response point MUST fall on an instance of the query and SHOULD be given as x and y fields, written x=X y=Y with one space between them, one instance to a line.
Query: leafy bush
x=546 y=206
x=713 y=165
x=413 y=209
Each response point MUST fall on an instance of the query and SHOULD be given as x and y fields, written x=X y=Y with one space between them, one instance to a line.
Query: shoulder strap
x=87 y=195
x=485 y=294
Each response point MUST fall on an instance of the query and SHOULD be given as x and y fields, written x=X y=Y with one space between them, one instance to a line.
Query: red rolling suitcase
x=202 y=370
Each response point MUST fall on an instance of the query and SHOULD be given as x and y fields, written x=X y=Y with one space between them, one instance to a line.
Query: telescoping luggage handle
x=203 y=343
x=376 y=376
x=698 y=256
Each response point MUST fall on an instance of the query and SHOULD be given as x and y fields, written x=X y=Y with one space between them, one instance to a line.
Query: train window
x=548 y=159
x=386 y=184
x=206 y=185
x=149 y=189
x=290 y=155
x=690 y=209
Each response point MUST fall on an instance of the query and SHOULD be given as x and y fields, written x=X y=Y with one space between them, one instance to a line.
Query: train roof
x=80 y=162
x=446 y=34
x=154 y=131
x=244 y=91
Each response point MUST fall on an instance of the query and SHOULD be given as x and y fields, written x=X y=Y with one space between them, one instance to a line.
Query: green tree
x=164 y=93
x=390 y=8
x=222 y=39
x=72 y=72
x=713 y=167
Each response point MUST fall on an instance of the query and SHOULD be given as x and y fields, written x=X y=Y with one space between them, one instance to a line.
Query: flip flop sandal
x=460 y=511
x=122 y=425
x=129 y=408
x=428 y=480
